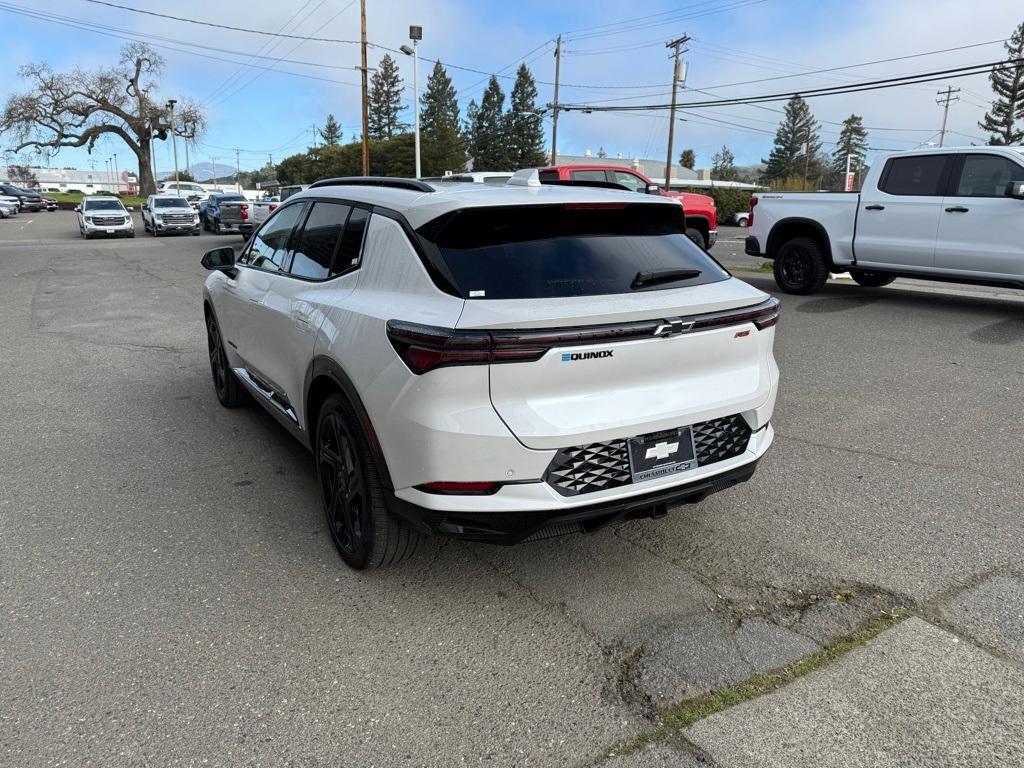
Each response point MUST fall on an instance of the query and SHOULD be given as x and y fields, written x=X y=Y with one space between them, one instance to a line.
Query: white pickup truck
x=950 y=214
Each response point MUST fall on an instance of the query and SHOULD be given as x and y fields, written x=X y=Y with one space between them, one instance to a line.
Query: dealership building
x=72 y=179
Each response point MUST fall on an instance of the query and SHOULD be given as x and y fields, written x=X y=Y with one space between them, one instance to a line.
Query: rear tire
x=365 y=534
x=742 y=222
x=697 y=236
x=800 y=267
x=216 y=227
x=871 y=279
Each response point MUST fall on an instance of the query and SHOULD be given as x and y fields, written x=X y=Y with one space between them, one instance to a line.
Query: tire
x=365 y=534
x=225 y=384
x=132 y=233
x=196 y=233
x=742 y=222
x=153 y=232
x=697 y=236
x=800 y=268
x=871 y=279
x=206 y=224
x=216 y=227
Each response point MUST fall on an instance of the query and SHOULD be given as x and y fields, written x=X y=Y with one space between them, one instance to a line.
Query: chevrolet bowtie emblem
x=661 y=451
x=672 y=326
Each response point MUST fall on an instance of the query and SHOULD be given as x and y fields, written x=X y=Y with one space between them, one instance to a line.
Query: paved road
x=169 y=595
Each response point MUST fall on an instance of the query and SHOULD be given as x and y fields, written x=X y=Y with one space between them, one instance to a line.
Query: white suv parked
x=494 y=363
x=99 y=216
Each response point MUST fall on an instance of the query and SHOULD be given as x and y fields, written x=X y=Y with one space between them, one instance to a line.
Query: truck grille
x=600 y=466
x=108 y=221
x=176 y=218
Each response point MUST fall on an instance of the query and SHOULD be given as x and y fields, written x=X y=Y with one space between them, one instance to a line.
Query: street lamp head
x=415 y=32
x=406 y=50
x=171 y=103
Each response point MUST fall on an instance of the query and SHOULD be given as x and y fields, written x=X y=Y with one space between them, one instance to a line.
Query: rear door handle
x=957 y=209
x=874 y=207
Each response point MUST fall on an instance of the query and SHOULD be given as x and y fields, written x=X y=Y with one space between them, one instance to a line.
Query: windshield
x=171 y=202
x=103 y=205
x=553 y=251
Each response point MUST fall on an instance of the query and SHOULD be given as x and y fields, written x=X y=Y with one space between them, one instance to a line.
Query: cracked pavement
x=169 y=595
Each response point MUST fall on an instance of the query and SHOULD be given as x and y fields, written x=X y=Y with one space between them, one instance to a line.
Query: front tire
x=800 y=267
x=365 y=534
x=225 y=384
x=696 y=235
x=871 y=279
x=216 y=227
x=742 y=222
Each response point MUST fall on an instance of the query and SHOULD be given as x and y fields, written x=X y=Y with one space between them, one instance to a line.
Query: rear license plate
x=661 y=453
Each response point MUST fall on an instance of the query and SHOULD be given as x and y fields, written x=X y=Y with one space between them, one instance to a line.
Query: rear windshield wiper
x=652 y=276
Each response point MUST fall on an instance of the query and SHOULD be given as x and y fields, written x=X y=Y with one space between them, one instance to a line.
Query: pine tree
x=1008 y=106
x=688 y=159
x=853 y=143
x=796 y=138
x=443 y=145
x=523 y=127
x=487 y=140
x=385 y=101
x=723 y=165
x=331 y=132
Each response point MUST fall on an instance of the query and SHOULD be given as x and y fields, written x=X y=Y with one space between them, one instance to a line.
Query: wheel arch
x=700 y=223
x=325 y=377
x=794 y=227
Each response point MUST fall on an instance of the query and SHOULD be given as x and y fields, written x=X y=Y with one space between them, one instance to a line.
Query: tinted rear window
x=916 y=175
x=557 y=251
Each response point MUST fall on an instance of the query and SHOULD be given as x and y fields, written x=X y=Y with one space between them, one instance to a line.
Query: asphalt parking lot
x=169 y=594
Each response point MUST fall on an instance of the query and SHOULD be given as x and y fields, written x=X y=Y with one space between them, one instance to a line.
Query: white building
x=71 y=179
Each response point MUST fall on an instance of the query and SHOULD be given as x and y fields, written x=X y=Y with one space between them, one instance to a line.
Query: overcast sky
x=619 y=57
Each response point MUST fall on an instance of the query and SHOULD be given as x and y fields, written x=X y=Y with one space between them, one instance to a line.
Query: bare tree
x=23 y=176
x=76 y=109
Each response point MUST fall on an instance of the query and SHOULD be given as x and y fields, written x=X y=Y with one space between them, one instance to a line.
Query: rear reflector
x=461 y=488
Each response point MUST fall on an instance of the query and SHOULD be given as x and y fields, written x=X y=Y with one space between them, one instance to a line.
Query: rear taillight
x=425 y=347
x=273 y=207
x=762 y=316
x=461 y=488
x=750 y=216
x=245 y=211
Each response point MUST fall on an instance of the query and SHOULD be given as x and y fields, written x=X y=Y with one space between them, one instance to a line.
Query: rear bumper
x=514 y=527
x=712 y=237
x=751 y=247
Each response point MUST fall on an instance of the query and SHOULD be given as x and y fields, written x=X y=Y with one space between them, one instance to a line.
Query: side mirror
x=130 y=207
x=220 y=260
x=652 y=189
x=144 y=207
x=78 y=209
x=1014 y=189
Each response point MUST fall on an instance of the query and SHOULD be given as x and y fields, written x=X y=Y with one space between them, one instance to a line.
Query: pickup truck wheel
x=206 y=224
x=216 y=227
x=365 y=534
x=696 y=235
x=800 y=267
x=871 y=279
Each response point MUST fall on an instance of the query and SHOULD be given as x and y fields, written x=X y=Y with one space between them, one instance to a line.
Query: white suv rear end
x=496 y=363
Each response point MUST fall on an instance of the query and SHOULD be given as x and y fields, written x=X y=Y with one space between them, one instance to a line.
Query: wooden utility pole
x=366 y=108
x=946 y=98
x=677 y=44
x=554 y=105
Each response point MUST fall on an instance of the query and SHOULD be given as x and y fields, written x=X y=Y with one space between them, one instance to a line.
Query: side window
x=547 y=177
x=589 y=176
x=269 y=247
x=314 y=249
x=629 y=180
x=917 y=175
x=987 y=175
x=352 y=241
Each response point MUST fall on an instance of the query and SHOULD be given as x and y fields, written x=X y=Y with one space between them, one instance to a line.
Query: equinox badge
x=573 y=356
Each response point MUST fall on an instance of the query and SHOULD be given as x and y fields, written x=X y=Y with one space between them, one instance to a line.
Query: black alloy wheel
x=800 y=268
x=343 y=488
x=228 y=390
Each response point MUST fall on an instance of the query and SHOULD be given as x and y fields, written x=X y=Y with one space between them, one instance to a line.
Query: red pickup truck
x=700 y=210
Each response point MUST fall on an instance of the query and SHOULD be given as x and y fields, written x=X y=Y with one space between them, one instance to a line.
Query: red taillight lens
x=762 y=316
x=753 y=204
x=461 y=488
x=245 y=211
x=273 y=207
x=424 y=347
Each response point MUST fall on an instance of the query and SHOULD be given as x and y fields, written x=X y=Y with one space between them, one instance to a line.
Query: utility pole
x=944 y=100
x=238 y=170
x=214 y=160
x=677 y=45
x=362 y=69
x=554 y=105
x=174 y=143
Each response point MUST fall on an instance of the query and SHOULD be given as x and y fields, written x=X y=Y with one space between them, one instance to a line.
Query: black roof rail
x=584 y=183
x=374 y=181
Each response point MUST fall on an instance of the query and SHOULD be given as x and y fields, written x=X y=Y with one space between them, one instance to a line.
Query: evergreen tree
x=385 y=101
x=723 y=165
x=853 y=143
x=688 y=159
x=443 y=148
x=487 y=140
x=331 y=132
x=796 y=138
x=523 y=127
x=1008 y=106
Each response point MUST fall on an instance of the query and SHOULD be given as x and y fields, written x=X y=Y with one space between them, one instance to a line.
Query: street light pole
x=117 y=184
x=174 y=144
x=415 y=34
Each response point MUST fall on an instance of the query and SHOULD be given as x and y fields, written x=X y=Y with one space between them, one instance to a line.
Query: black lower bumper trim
x=751 y=247
x=514 y=527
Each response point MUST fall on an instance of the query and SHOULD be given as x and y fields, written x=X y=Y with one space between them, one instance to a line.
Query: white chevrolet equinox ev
x=496 y=363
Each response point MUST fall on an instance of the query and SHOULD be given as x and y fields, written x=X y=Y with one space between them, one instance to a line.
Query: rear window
x=232 y=199
x=543 y=251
